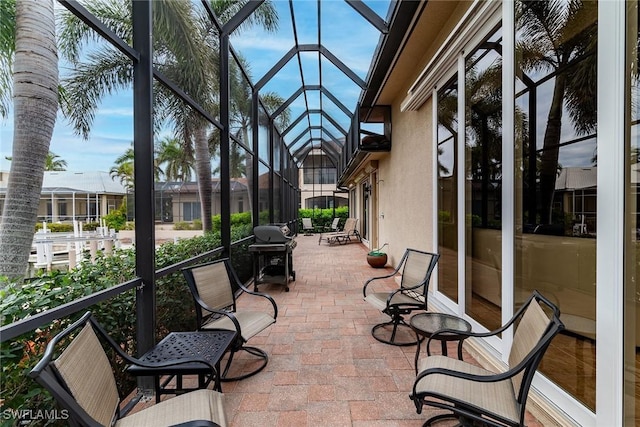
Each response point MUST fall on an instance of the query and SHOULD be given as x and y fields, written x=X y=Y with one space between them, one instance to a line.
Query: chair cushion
x=251 y=323
x=196 y=405
x=88 y=375
x=379 y=299
x=496 y=397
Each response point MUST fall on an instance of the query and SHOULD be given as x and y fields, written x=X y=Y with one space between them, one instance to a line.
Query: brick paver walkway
x=325 y=369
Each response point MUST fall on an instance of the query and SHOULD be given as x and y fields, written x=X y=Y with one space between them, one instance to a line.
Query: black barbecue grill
x=272 y=256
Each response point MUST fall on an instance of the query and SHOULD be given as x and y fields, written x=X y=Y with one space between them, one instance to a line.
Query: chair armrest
x=263 y=295
x=366 y=284
x=401 y=290
x=229 y=314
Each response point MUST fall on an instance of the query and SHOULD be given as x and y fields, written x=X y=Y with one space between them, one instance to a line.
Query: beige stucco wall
x=405 y=196
x=405 y=211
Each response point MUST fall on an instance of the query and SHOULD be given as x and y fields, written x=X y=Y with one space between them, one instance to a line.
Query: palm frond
x=74 y=35
x=104 y=72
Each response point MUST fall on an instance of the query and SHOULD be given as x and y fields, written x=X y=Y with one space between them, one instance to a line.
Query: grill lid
x=266 y=234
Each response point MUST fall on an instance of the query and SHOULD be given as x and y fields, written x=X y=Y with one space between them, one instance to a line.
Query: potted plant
x=377 y=258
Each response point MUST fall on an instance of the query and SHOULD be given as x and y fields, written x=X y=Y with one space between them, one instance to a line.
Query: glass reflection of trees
x=483 y=99
x=483 y=146
x=556 y=67
x=556 y=88
x=447 y=137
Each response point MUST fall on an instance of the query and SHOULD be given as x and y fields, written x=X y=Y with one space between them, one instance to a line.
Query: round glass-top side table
x=425 y=324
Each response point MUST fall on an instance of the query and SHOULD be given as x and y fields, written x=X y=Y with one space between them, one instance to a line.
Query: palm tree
x=123 y=169
x=35 y=100
x=55 y=163
x=241 y=98
x=177 y=161
x=237 y=162
x=183 y=41
x=559 y=37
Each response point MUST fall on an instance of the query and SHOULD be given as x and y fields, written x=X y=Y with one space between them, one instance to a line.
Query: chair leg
x=395 y=323
x=442 y=417
x=251 y=350
x=462 y=421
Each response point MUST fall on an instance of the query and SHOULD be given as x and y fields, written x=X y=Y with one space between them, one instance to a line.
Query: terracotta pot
x=377 y=261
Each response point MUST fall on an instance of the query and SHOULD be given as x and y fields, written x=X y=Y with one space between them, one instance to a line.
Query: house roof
x=575 y=178
x=237 y=184
x=65 y=182
x=82 y=182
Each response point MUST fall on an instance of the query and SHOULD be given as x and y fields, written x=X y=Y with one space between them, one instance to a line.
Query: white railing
x=66 y=249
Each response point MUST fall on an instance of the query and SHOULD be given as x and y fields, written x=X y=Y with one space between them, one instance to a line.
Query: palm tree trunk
x=203 y=171
x=35 y=79
x=249 y=172
x=551 y=150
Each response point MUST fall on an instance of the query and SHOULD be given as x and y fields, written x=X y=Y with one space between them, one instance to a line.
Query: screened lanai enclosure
x=243 y=91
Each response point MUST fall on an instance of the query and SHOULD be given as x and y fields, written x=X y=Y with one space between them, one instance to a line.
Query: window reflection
x=483 y=140
x=263 y=193
x=556 y=183
x=632 y=226
x=447 y=104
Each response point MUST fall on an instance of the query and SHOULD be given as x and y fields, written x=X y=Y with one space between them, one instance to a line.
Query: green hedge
x=322 y=218
x=51 y=289
x=17 y=300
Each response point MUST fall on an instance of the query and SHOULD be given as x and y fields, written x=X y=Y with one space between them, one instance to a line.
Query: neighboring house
x=87 y=196
x=179 y=201
x=68 y=196
x=317 y=183
x=576 y=191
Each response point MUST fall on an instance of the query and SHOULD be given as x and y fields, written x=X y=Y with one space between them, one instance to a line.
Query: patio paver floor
x=325 y=368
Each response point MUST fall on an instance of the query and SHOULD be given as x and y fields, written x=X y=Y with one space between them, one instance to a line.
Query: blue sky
x=344 y=32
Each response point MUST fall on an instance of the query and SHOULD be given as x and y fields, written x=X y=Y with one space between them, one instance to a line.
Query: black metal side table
x=209 y=346
x=425 y=324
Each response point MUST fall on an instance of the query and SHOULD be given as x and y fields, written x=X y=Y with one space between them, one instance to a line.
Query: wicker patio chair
x=81 y=380
x=476 y=395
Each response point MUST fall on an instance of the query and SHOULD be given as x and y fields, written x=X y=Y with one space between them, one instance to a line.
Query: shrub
x=323 y=217
x=242 y=218
x=90 y=226
x=182 y=225
x=129 y=225
x=56 y=227
x=237 y=219
x=118 y=315
x=117 y=218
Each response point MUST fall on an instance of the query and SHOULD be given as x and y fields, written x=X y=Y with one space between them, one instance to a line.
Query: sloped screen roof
x=318 y=61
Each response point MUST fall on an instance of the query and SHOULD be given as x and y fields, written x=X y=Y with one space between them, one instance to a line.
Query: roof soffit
x=432 y=27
